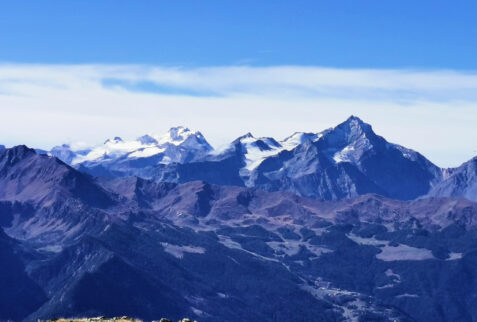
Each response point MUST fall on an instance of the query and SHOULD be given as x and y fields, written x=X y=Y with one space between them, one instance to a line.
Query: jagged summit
x=176 y=145
x=14 y=154
x=247 y=135
x=353 y=118
x=115 y=140
x=43 y=179
x=179 y=132
x=183 y=136
x=147 y=139
x=353 y=128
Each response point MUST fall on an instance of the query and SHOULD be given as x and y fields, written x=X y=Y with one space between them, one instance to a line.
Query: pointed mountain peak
x=349 y=141
x=248 y=135
x=178 y=132
x=147 y=139
x=354 y=127
x=116 y=139
x=354 y=119
x=244 y=139
x=183 y=136
x=20 y=150
x=15 y=154
x=177 y=135
x=355 y=122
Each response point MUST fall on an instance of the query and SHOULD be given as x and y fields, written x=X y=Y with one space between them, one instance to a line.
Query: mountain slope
x=231 y=253
x=214 y=251
x=459 y=182
x=27 y=176
x=19 y=294
x=43 y=197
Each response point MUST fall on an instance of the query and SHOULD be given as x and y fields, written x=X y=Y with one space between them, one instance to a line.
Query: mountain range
x=339 y=225
x=341 y=162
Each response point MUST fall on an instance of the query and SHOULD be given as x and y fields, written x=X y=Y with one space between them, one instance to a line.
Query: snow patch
x=454 y=256
x=222 y=295
x=407 y=295
x=389 y=273
x=394 y=253
x=197 y=311
x=178 y=251
x=146 y=152
x=298 y=138
x=344 y=155
x=51 y=249
x=292 y=247
x=257 y=150
x=228 y=242
x=404 y=253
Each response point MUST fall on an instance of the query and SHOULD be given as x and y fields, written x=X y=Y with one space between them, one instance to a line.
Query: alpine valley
x=339 y=225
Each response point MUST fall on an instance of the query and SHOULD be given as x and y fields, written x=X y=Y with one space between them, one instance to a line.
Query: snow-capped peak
x=183 y=136
x=354 y=119
x=298 y=138
x=348 y=141
x=354 y=127
x=180 y=133
x=175 y=135
x=257 y=149
x=247 y=136
x=174 y=144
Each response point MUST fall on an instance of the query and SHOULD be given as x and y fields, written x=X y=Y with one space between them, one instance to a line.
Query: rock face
x=459 y=182
x=225 y=253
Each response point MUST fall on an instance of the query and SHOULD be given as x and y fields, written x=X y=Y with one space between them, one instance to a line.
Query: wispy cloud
x=431 y=111
x=243 y=80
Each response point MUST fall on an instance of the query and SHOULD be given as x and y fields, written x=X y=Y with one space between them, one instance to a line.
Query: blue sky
x=83 y=71
x=345 y=34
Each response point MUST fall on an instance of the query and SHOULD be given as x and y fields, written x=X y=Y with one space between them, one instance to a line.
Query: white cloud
x=433 y=112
